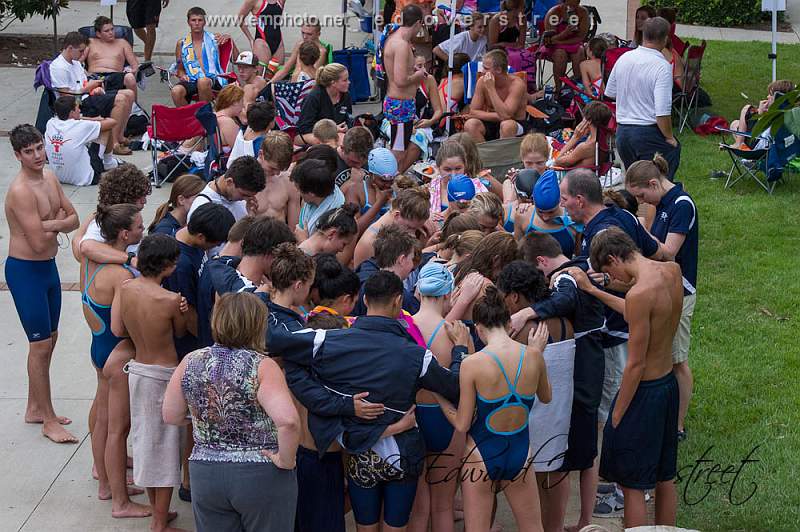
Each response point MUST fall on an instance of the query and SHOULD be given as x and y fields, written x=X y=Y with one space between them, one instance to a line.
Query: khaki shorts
x=683 y=336
x=616 y=359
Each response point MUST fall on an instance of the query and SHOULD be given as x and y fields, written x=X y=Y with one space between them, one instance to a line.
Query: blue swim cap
x=382 y=162
x=546 y=194
x=460 y=188
x=435 y=280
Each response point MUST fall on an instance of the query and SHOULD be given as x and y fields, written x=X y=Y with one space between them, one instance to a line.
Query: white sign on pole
x=108 y=2
x=767 y=5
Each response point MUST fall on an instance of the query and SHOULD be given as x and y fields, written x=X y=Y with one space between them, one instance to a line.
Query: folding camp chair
x=766 y=162
x=687 y=99
x=215 y=159
x=174 y=124
x=500 y=155
x=120 y=32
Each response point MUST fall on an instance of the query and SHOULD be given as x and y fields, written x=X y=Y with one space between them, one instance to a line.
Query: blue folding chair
x=766 y=162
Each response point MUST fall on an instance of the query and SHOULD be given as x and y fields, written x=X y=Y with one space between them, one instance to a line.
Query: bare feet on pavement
x=31 y=417
x=104 y=494
x=55 y=432
x=132 y=509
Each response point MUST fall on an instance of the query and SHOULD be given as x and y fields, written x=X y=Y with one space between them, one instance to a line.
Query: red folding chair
x=174 y=124
x=687 y=99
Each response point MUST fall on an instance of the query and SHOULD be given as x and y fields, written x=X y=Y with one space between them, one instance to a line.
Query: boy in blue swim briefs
x=640 y=440
x=37 y=210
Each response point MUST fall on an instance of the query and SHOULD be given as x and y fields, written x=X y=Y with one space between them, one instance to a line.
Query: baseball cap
x=247 y=59
x=382 y=162
x=526 y=180
x=460 y=188
x=546 y=194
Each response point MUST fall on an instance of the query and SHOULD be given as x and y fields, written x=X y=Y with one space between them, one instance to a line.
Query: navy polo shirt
x=168 y=225
x=677 y=213
x=219 y=276
x=184 y=280
x=616 y=329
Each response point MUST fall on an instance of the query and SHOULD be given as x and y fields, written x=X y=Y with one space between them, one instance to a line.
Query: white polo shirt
x=641 y=82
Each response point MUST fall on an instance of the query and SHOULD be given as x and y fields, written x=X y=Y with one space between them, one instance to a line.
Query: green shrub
x=723 y=13
x=13 y=10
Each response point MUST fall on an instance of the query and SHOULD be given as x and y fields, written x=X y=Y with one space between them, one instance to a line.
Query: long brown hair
x=490 y=256
x=186 y=185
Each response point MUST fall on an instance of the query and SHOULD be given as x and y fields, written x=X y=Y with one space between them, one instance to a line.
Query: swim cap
x=526 y=179
x=435 y=280
x=382 y=163
x=460 y=188
x=546 y=194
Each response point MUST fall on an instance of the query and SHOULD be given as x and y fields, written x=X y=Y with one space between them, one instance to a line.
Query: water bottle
x=548 y=93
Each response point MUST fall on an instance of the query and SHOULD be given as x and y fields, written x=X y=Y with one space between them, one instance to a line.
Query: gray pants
x=236 y=497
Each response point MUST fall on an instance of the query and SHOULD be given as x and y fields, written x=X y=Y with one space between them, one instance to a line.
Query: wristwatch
x=131 y=255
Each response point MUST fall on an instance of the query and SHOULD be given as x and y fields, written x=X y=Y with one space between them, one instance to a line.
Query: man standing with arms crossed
x=37 y=211
x=640 y=440
x=641 y=83
x=401 y=81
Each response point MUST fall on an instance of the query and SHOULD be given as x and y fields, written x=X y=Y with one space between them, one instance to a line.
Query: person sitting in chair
x=110 y=59
x=750 y=114
x=248 y=76
x=310 y=32
x=498 y=107
x=67 y=77
x=580 y=149
x=566 y=27
x=197 y=57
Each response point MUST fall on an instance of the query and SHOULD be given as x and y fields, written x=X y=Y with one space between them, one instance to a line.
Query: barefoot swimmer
x=151 y=316
x=640 y=440
x=37 y=210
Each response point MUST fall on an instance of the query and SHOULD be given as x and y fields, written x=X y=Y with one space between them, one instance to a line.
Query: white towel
x=549 y=423
x=156 y=445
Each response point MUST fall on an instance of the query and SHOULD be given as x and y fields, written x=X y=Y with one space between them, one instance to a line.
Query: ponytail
x=642 y=172
x=187 y=185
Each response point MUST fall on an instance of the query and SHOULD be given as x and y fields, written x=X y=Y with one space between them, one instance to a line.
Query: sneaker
x=605 y=488
x=681 y=435
x=113 y=162
x=609 y=506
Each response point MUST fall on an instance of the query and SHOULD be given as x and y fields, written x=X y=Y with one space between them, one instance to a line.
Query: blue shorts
x=320 y=492
x=36 y=289
x=436 y=430
x=395 y=498
x=643 y=449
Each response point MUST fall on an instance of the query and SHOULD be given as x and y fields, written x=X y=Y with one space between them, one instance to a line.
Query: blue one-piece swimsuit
x=504 y=453
x=103 y=341
x=436 y=429
x=563 y=235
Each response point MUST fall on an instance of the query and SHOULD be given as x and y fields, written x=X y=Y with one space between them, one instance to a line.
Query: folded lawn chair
x=174 y=124
x=687 y=99
x=215 y=162
x=765 y=163
x=500 y=155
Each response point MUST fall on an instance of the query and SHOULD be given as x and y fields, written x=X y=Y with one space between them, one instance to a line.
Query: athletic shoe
x=113 y=162
x=605 y=488
x=609 y=506
x=681 y=435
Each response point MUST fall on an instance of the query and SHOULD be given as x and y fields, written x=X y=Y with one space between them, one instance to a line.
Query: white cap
x=247 y=58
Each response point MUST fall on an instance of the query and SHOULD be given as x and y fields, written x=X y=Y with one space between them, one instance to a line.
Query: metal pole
x=774 y=54
x=450 y=65
x=55 y=26
x=111 y=14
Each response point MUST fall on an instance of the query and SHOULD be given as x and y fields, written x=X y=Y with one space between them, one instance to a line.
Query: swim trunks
x=643 y=449
x=401 y=115
x=36 y=289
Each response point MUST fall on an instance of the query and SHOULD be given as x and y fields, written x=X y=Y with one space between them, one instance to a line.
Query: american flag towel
x=289 y=97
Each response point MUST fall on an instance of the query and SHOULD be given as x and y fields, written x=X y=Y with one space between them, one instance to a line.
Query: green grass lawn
x=744 y=354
